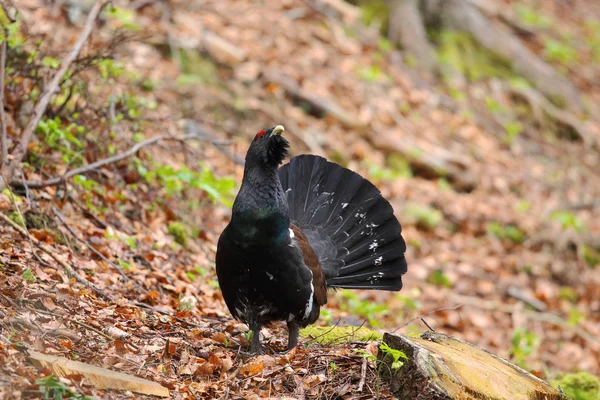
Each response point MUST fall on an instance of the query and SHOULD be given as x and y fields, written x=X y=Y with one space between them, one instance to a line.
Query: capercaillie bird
x=298 y=230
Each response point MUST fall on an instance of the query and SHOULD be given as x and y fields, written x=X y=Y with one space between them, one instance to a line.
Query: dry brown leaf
x=252 y=368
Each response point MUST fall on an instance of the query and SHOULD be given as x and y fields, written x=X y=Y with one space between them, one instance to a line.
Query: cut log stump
x=440 y=367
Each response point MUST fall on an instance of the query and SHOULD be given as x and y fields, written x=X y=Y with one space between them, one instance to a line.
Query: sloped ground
x=500 y=253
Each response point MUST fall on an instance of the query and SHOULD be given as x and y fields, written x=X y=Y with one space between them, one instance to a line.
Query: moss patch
x=177 y=230
x=338 y=335
x=579 y=386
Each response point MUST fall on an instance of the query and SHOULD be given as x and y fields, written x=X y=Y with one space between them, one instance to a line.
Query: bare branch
x=50 y=90
x=62 y=219
x=111 y=160
x=46 y=249
x=4 y=154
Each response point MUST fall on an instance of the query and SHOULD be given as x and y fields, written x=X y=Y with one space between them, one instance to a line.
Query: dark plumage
x=299 y=229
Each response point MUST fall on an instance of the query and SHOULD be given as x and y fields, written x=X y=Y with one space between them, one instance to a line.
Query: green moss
x=337 y=334
x=579 y=386
x=177 y=230
x=460 y=52
x=17 y=218
x=375 y=12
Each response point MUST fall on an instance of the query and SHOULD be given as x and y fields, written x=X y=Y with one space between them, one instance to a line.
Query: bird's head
x=269 y=148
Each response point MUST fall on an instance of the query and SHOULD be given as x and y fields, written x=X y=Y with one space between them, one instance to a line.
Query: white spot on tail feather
x=373 y=246
x=269 y=275
x=291 y=233
x=378 y=261
x=309 y=305
x=344 y=205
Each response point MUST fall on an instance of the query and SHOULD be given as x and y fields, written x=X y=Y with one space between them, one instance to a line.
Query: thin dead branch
x=56 y=257
x=532 y=315
x=51 y=332
x=62 y=219
x=106 y=161
x=4 y=153
x=52 y=87
x=363 y=375
x=538 y=102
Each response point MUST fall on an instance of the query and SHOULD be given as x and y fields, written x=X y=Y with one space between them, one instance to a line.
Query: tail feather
x=349 y=225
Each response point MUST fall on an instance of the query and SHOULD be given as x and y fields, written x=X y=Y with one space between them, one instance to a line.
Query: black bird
x=298 y=230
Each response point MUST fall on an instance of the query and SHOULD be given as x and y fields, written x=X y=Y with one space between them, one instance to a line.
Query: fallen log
x=99 y=377
x=440 y=367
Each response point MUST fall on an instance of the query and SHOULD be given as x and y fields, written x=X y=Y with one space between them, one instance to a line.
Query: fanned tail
x=350 y=226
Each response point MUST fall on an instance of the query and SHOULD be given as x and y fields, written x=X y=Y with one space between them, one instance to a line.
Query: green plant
x=439 y=278
x=123 y=17
x=560 y=51
x=196 y=272
x=88 y=184
x=394 y=353
x=568 y=221
x=579 y=386
x=363 y=308
x=567 y=293
x=513 y=129
x=523 y=206
x=51 y=387
x=590 y=255
x=176 y=180
x=333 y=367
x=179 y=233
x=63 y=139
x=459 y=52
x=523 y=345
x=371 y=73
x=424 y=216
x=28 y=275
x=374 y=12
x=575 y=317
x=11 y=33
x=185 y=305
x=532 y=18
x=505 y=232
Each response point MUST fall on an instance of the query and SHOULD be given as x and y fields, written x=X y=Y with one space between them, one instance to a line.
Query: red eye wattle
x=260 y=134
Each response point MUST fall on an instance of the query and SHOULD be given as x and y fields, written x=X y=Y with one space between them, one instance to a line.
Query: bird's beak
x=278 y=130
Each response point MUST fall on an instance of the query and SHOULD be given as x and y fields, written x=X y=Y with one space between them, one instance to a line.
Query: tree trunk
x=407 y=29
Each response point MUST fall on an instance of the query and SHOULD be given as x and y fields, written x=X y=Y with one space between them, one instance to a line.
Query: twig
x=532 y=315
x=537 y=100
x=518 y=294
x=425 y=315
x=52 y=332
x=164 y=312
x=87 y=213
x=58 y=259
x=194 y=127
x=87 y=244
x=106 y=161
x=50 y=90
x=427 y=325
x=91 y=328
x=363 y=375
x=4 y=154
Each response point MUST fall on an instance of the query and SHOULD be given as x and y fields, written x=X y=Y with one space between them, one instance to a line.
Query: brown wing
x=312 y=262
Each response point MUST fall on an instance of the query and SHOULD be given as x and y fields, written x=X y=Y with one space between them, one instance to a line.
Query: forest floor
x=499 y=205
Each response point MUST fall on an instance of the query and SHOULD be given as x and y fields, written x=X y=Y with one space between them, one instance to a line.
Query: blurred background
x=477 y=119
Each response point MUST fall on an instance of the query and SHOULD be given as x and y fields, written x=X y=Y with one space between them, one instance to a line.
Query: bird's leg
x=255 y=346
x=293 y=333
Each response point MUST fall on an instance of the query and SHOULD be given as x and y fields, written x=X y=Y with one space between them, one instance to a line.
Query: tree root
x=464 y=16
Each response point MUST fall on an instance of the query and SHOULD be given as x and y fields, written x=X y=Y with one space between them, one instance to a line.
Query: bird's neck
x=260 y=211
